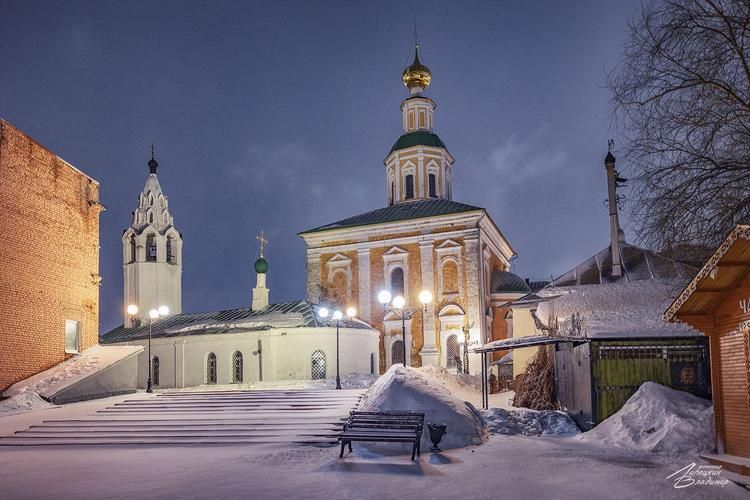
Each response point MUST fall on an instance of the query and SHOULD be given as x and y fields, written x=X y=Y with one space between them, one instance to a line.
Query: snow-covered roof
x=298 y=314
x=619 y=309
x=528 y=341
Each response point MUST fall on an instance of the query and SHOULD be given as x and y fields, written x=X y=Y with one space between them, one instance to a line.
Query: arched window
x=409 y=187
x=451 y=351
x=397 y=352
x=318 y=365
x=155 y=370
x=132 y=248
x=211 y=368
x=397 y=281
x=431 y=180
x=170 y=253
x=151 y=248
x=237 y=368
x=151 y=217
x=450 y=277
x=372 y=363
x=151 y=199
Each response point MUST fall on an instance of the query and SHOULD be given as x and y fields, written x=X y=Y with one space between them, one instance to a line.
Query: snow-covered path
x=277 y=416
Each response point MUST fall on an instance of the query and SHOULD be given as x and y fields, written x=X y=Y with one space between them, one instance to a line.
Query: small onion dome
x=152 y=165
x=261 y=266
x=416 y=75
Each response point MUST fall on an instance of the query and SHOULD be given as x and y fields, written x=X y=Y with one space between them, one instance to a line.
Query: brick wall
x=49 y=256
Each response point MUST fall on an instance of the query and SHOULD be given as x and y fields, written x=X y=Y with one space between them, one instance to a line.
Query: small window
x=72 y=336
x=237 y=368
x=151 y=217
x=151 y=248
x=432 y=185
x=318 y=365
x=409 y=187
x=397 y=352
x=170 y=252
x=211 y=368
x=372 y=363
x=397 y=281
x=393 y=193
x=421 y=119
x=132 y=248
x=155 y=370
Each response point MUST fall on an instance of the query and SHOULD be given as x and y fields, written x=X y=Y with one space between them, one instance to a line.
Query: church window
x=397 y=281
x=421 y=119
x=432 y=185
x=409 y=187
x=450 y=277
x=132 y=248
x=151 y=217
x=151 y=199
x=451 y=351
x=211 y=368
x=237 y=368
x=155 y=370
x=72 y=335
x=393 y=193
x=318 y=365
x=397 y=352
x=170 y=250
x=151 y=248
x=372 y=363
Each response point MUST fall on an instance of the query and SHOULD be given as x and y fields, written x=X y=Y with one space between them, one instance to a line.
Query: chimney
x=614 y=223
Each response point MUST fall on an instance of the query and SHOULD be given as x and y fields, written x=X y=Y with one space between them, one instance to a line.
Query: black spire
x=610 y=157
x=152 y=164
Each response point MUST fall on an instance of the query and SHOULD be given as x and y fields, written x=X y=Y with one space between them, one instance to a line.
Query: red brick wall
x=49 y=256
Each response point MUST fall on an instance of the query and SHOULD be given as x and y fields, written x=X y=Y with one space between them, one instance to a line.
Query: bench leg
x=413 y=451
x=350 y=446
x=419 y=448
x=343 y=443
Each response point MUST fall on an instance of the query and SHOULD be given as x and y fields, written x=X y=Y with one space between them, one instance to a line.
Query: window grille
x=237 y=368
x=318 y=365
x=211 y=369
x=397 y=352
x=452 y=351
x=155 y=370
x=397 y=281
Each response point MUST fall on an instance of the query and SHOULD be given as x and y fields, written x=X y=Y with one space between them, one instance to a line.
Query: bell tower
x=152 y=253
x=419 y=166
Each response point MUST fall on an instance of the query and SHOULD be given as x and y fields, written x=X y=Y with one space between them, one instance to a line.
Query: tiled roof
x=420 y=138
x=284 y=315
x=398 y=212
x=507 y=282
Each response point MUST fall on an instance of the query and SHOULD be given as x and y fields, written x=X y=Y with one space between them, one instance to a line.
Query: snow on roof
x=528 y=341
x=619 y=309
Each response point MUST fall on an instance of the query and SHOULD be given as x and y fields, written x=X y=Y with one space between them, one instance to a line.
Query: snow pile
x=463 y=386
x=621 y=309
x=411 y=389
x=529 y=422
x=659 y=419
x=352 y=381
x=26 y=401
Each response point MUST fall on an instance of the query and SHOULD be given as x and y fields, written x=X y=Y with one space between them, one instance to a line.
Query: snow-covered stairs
x=262 y=416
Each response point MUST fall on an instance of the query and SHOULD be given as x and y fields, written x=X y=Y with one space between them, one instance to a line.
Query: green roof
x=401 y=211
x=418 y=139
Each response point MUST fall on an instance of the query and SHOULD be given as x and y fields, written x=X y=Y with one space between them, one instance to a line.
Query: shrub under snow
x=409 y=389
x=529 y=422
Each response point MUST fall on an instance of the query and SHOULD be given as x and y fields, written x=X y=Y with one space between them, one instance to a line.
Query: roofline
x=4 y=123
x=325 y=230
x=487 y=216
x=740 y=231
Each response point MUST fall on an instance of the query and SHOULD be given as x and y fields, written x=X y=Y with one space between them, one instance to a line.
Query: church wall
x=49 y=249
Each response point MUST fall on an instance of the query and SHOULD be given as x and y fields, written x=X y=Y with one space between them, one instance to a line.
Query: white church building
x=264 y=342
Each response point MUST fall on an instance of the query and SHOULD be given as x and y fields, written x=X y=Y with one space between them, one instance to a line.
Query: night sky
x=278 y=115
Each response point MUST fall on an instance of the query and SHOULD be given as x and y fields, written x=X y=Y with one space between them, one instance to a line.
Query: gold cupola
x=417 y=76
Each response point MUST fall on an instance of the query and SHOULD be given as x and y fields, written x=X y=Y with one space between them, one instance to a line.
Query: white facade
x=268 y=355
x=152 y=254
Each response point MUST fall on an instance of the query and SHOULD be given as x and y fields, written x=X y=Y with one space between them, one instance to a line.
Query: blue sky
x=277 y=116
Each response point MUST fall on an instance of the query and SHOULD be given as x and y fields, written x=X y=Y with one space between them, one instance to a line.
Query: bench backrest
x=387 y=420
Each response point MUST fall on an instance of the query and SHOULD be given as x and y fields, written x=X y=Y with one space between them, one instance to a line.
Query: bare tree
x=682 y=94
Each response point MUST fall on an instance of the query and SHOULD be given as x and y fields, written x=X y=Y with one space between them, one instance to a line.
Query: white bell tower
x=152 y=254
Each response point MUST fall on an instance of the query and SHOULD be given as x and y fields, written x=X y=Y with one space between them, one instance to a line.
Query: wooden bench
x=384 y=427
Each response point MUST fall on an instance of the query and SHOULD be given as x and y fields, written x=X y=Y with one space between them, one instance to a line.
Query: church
x=422 y=244
x=427 y=276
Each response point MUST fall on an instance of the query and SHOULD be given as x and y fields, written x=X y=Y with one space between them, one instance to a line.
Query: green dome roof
x=419 y=138
x=261 y=266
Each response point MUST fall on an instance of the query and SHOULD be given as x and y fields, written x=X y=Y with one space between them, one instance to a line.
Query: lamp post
x=337 y=315
x=398 y=304
x=132 y=311
x=152 y=315
x=466 y=349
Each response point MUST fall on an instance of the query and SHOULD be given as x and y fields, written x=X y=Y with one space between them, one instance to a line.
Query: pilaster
x=429 y=352
x=365 y=288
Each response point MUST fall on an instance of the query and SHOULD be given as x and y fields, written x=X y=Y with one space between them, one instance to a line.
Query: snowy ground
x=270 y=465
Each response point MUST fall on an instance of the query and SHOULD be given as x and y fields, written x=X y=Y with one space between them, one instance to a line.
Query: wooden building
x=717 y=302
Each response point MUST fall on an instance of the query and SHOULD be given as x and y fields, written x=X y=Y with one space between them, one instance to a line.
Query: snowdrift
x=22 y=402
x=409 y=389
x=658 y=419
x=529 y=422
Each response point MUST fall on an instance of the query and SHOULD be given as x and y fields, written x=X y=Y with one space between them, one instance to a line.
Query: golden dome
x=416 y=75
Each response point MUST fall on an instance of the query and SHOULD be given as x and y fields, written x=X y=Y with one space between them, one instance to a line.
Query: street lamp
x=152 y=315
x=337 y=315
x=398 y=303
x=132 y=311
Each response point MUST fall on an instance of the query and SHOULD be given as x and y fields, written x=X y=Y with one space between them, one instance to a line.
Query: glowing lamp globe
x=425 y=297
x=132 y=309
x=337 y=315
x=351 y=312
x=398 y=302
x=153 y=314
x=323 y=312
x=384 y=297
x=163 y=310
